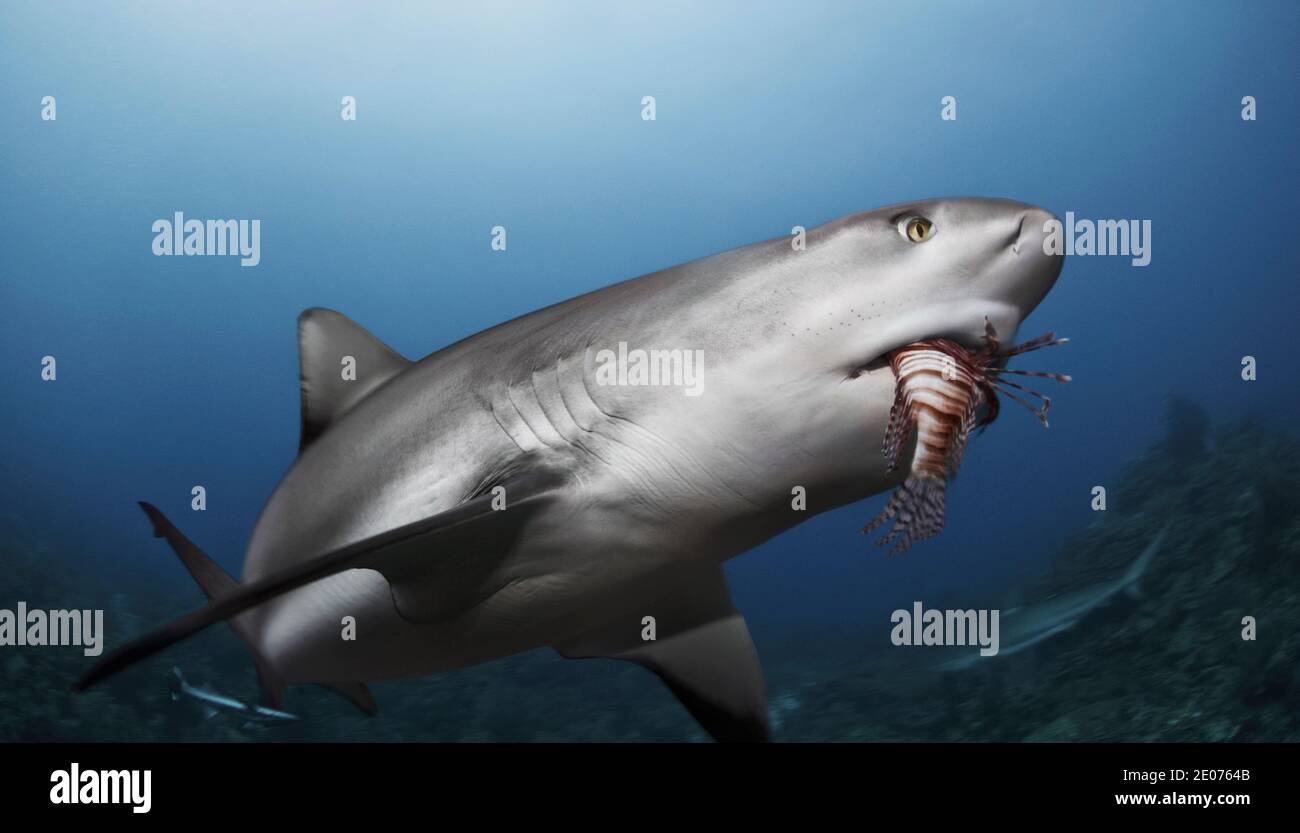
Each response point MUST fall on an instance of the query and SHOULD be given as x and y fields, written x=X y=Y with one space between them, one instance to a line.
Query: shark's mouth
x=945 y=390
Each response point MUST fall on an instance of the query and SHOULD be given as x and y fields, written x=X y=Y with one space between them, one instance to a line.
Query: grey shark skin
x=1027 y=626
x=621 y=502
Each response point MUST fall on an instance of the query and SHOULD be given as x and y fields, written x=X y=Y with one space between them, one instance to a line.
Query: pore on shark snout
x=492 y=497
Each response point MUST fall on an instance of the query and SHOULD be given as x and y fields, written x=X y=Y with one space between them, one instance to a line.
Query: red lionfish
x=945 y=390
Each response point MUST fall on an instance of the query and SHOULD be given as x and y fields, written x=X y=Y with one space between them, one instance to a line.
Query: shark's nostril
x=1017 y=235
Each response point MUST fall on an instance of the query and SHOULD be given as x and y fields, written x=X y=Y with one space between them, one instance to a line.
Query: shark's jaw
x=968 y=325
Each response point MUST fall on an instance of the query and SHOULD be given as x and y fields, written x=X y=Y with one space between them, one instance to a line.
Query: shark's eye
x=917 y=229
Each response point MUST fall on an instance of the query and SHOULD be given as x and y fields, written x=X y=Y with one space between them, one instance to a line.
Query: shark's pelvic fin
x=475 y=521
x=355 y=693
x=702 y=651
x=326 y=340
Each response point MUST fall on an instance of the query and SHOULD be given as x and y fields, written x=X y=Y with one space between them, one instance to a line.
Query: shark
x=1027 y=626
x=504 y=494
x=214 y=703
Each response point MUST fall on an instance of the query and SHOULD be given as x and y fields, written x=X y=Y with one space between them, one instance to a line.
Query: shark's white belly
x=567 y=575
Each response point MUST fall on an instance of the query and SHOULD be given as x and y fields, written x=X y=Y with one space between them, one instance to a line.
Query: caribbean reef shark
x=503 y=494
x=1025 y=627
x=214 y=703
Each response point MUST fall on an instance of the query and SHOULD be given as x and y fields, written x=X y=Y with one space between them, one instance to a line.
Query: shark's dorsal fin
x=325 y=341
x=702 y=651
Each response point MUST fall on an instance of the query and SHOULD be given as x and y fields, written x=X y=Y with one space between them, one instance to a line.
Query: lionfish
x=945 y=391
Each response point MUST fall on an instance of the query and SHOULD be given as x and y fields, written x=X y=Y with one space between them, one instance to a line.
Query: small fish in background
x=213 y=703
x=1024 y=627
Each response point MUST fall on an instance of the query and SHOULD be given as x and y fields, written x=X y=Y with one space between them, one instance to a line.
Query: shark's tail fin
x=216 y=582
x=1139 y=565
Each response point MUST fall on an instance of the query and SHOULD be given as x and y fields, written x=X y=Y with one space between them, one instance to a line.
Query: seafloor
x=1170 y=666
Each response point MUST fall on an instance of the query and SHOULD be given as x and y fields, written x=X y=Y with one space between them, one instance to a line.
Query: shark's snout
x=1036 y=270
x=1032 y=231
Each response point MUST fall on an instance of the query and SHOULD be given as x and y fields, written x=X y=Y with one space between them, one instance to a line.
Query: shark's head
x=826 y=319
x=936 y=268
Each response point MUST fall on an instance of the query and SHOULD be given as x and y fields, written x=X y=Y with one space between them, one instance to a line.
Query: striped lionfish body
x=945 y=391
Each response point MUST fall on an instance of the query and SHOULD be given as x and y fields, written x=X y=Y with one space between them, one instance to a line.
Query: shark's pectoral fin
x=340 y=363
x=713 y=669
x=700 y=648
x=402 y=554
x=437 y=578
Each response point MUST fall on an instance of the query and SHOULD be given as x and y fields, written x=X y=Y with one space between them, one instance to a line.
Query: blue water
x=177 y=371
